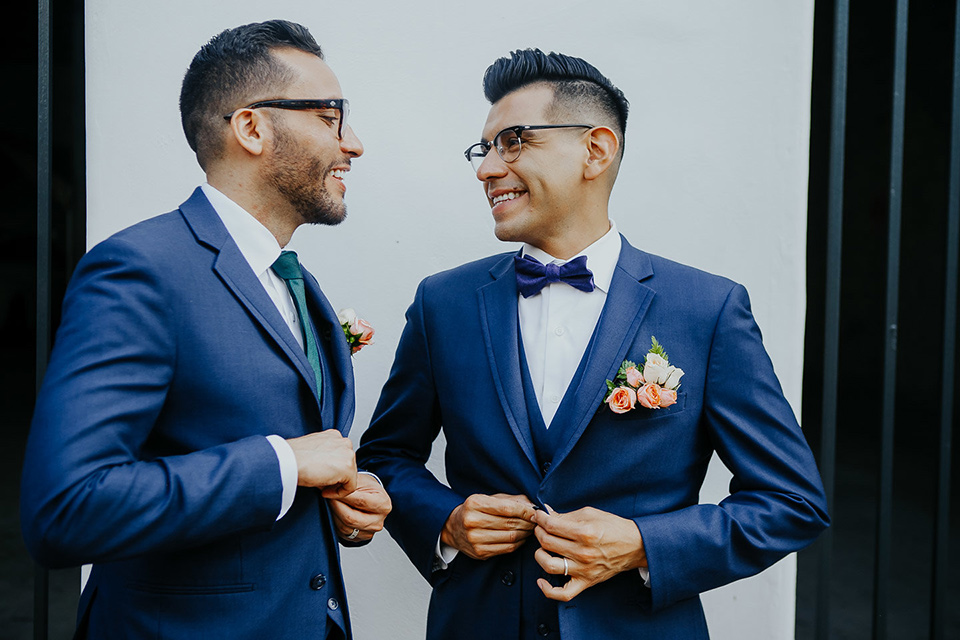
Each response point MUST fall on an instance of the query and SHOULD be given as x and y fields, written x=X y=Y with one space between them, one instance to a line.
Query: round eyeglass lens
x=508 y=145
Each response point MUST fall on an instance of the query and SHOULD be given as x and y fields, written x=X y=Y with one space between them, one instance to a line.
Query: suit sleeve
x=88 y=494
x=398 y=443
x=776 y=503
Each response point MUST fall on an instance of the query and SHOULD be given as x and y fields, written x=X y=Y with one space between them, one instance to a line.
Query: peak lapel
x=627 y=303
x=498 y=320
x=235 y=272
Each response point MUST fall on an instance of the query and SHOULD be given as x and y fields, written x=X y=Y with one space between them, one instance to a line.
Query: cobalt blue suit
x=147 y=453
x=459 y=369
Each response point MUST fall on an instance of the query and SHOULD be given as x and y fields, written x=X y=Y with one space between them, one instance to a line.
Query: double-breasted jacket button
x=508 y=577
x=333 y=604
x=317 y=581
x=546 y=467
x=543 y=629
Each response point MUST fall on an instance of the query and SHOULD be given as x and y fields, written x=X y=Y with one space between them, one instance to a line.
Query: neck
x=570 y=241
x=278 y=217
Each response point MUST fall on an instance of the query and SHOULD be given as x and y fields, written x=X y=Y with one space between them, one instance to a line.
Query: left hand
x=597 y=545
x=365 y=509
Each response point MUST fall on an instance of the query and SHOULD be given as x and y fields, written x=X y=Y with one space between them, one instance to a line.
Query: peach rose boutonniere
x=357 y=331
x=651 y=384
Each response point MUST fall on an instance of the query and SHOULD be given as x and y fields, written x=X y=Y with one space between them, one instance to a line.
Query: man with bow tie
x=575 y=446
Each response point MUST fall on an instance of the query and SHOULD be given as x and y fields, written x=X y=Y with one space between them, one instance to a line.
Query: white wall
x=715 y=175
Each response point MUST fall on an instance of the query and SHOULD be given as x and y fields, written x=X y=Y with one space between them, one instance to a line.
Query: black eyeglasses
x=340 y=104
x=509 y=142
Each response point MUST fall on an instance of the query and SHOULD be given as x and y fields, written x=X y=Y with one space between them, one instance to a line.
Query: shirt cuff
x=288 y=472
x=645 y=574
x=443 y=555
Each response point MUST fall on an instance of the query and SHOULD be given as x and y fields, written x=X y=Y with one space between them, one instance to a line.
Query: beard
x=301 y=179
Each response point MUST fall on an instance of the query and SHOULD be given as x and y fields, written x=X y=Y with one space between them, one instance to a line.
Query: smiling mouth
x=338 y=173
x=505 y=197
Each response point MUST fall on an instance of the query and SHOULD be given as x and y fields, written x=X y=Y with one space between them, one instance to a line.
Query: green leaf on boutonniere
x=658 y=350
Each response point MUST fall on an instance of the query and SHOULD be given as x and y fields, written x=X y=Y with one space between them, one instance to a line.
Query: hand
x=486 y=526
x=597 y=545
x=364 y=510
x=325 y=460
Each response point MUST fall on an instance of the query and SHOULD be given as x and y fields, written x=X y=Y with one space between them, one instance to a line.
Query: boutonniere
x=653 y=383
x=358 y=332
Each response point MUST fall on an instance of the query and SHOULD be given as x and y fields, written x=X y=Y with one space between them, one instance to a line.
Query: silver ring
x=566 y=567
x=354 y=534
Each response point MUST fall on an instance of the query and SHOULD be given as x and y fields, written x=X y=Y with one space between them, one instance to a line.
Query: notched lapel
x=235 y=272
x=626 y=305
x=330 y=333
x=498 y=319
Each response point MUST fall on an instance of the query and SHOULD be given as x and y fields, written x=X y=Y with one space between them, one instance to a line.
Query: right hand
x=325 y=460
x=486 y=526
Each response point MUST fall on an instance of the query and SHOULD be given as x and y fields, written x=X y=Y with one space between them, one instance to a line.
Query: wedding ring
x=566 y=567
x=354 y=534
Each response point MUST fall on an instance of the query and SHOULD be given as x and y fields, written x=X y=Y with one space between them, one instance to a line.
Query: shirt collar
x=256 y=243
x=602 y=257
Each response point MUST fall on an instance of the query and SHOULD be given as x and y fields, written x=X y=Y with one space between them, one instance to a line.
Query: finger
x=553 y=564
x=557 y=545
x=350 y=519
x=507 y=506
x=341 y=490
x=571 y=589
x=369 y=500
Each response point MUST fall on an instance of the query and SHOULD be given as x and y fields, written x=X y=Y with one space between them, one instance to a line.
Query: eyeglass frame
x=518 y=130
x=340 y=104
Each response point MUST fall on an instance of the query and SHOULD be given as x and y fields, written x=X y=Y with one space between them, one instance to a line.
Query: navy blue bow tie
x=532 y=276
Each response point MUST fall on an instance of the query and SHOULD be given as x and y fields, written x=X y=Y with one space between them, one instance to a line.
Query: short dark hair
x=576 y=83
x=234 y=69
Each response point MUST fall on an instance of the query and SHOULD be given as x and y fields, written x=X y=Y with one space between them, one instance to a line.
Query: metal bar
x=44 y=162
x=885 y=499
x=831 y=342
x=941 y=536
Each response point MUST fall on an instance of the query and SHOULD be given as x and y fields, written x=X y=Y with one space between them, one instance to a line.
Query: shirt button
x=554 y=398
x=317 y=581
x=543 y=630
x=559 y=331
x=508 y=578
x=332 y=604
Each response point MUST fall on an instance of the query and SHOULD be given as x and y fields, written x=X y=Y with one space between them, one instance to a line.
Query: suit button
x=543 y=630
x=508 y=578
x=546 y=467
x=332 y=604
x=317 y=581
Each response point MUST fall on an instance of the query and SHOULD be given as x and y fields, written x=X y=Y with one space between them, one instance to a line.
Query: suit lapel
x=236 y=274
x=329 y=333
x=627 y=303
x=498 y=319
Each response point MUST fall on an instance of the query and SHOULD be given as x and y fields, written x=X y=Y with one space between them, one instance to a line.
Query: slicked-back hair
x=235 y=69
x=577 y=84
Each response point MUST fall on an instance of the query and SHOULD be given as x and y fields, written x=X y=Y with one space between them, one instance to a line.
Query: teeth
x=338 y=173
x=506 y=196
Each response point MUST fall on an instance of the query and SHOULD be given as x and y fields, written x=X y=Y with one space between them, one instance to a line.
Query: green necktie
x=288 y=267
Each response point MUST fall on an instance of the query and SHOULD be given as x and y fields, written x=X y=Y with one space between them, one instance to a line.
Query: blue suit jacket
x=457 y=370
x=147 y=453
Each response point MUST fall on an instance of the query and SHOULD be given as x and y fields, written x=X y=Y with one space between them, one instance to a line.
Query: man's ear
x=249 y=128
x=603 y=146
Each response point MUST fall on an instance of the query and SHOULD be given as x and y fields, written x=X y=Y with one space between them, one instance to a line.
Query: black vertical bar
x=44 y=151
x=885 y=503
x=831 y=343
x=938 y=605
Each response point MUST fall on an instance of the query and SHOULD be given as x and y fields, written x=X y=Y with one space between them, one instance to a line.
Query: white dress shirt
x=260 y=249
